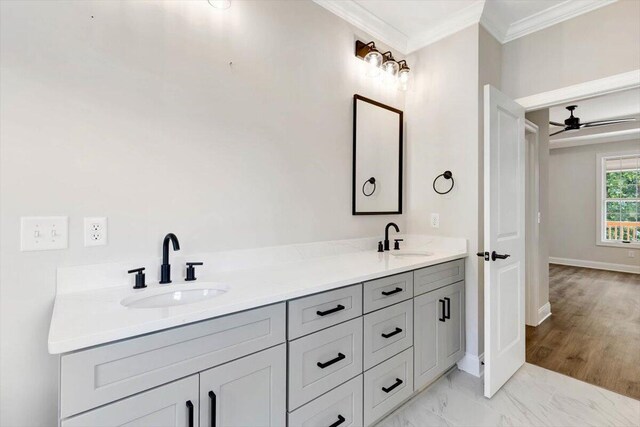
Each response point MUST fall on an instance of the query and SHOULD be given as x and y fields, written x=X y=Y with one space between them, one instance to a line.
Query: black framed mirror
x=377 y=158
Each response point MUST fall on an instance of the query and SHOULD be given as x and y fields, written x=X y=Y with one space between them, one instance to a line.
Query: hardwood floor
x=594 y=332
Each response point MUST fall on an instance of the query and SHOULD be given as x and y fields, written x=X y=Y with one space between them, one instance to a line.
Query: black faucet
x=165 y=269
x=386 y=234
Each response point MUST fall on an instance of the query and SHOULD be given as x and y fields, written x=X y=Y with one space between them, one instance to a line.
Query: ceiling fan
x=573 y=123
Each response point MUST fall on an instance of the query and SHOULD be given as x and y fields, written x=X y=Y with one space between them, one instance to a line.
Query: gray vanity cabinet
x=246 y=392
x=171 y=405
x=438 y=332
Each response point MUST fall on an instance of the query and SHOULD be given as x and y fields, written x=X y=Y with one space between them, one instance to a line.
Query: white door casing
x=504 y=234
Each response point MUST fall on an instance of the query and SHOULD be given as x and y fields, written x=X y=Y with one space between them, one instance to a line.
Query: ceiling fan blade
x=555 y=133
x=556 y=124
x=608 y=122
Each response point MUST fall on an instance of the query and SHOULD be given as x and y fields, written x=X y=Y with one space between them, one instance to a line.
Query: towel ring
x=371 y=181
x=445 y=175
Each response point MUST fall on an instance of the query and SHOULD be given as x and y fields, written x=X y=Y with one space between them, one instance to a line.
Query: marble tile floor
x=534 y=396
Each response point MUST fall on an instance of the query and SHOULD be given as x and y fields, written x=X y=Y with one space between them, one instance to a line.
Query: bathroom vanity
x=343 y=356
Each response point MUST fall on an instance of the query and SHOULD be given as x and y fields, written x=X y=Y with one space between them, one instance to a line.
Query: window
x=619 y=196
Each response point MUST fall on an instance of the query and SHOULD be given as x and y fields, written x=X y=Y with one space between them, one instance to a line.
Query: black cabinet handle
x=332 y=361
x=395 y=291
x=212 y=398
x=447 y=314
x=442 y=319
x=190 y=412
x=396 y=384
x=333 y=310
x=341 y=419
x=390 y=334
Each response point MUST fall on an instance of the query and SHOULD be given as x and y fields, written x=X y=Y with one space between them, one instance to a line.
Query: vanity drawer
x=324 y=360
x=99 y=375
x=387 y=385
x=342 y=404
x=315 y=312
x=383 y=292
x=387 y=332
x=429 y=278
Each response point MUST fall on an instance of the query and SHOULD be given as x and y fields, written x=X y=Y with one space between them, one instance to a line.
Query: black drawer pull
x=390 y=334
x=442 y=303
x=190 y=410
x=396 y=384
x=212 y=398
x=332 y=361
x=333 y=310
x=395 y=291
x=341 y=419
x=447 y=315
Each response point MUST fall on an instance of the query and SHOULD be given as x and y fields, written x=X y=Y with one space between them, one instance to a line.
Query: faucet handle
x=139 y=278
x=396 y=244
x=191 y=271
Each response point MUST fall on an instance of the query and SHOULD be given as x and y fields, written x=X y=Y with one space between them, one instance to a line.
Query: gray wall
x=573 y=203
x=131 y=110
x=598 y=44
x=443 y=135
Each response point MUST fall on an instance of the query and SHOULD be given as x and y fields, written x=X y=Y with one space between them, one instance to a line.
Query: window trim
x=601 y=198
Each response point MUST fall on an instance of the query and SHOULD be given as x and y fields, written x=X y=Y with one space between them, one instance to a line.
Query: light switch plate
x=44 y=233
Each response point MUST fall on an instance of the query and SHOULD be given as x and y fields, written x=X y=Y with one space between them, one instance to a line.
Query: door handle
x=442 y=319
x=395 y=291
x=390 y=334
x=495 y=255
x=391 y=387
x=447 y=314
x=190 y=412
x=340 y=356
x=212 y=399
x=341 y=419
x=333 y=310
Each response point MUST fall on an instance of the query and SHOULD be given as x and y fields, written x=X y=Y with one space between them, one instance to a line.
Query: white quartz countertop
x=92 y=317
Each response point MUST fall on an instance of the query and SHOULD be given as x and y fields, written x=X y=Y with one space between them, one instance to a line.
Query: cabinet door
x=452 y=336
x=171 y=405
x=247 y=392
x=427 y=314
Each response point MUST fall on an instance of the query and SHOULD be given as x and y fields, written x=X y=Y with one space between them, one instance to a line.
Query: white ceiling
x=408 y=25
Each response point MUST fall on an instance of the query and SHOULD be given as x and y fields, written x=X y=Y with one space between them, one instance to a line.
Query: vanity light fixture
x=220 y=4
x=395 y=72
x=403 y=75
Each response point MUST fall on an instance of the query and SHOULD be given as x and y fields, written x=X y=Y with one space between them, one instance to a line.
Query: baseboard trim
x=595 y=264
x=472 y=364
x=543 y=313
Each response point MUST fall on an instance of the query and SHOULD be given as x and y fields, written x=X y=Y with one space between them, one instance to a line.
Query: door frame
x=532 y=204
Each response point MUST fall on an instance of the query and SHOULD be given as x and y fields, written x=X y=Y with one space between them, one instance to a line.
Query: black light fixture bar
x=363 y=48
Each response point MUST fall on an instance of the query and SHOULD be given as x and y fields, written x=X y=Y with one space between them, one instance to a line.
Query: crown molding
x=468 y=16
x=481 y=11
x=554 y=15
x=361 y=18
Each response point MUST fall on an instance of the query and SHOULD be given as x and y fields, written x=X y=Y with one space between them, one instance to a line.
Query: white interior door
x=504 y=238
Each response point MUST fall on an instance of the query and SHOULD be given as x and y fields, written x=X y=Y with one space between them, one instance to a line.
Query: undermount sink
x=409 y=253
x=173 y=295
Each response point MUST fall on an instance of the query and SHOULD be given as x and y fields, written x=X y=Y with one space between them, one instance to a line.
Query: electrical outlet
x=632 y=254
x=40 y=233
x=435 y=220
x=95 y=231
